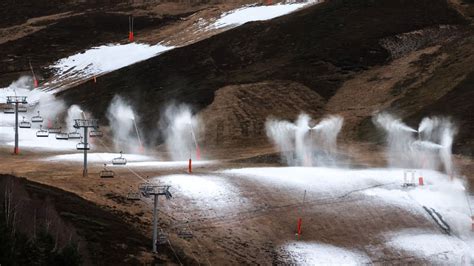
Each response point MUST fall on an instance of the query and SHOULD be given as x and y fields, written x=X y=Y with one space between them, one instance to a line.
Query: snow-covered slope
x=257 y=13
x=102 y=59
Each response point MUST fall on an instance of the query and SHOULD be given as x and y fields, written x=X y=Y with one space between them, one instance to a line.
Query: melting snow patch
x=257 y=13
x=206 y=191
x=323 y=254
x=106 y=58
x=437 y=248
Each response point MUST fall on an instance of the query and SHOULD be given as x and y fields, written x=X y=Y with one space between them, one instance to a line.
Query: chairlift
x=119 y=160
x=162 y=238
x=185 y=233
x=22 y=109
x=37 y=118
x=74 y=135
x=106 y=173
x=95 y=133
x=54 y=130
x=62 y=136
x=25 y=124
x=82 y=146
x=133 y=195
x=42 y=133
x=9 y=109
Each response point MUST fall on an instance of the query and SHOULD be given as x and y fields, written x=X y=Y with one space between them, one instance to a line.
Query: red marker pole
x=190 y=167
x=130 y=29
x=300 y=220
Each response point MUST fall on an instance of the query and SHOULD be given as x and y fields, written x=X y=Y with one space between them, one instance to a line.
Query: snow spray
x=122 y=121
x=430 y=146
x=181 y=130
x=301 y=144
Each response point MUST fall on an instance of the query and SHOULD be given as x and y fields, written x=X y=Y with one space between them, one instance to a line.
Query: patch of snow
x=446 y=197
x=168 y=164
x=97 y=157
x=319 y=178
x=106 y=58
x=303 y=253
x=257 y=13
x=435 y=247
x=208 y=192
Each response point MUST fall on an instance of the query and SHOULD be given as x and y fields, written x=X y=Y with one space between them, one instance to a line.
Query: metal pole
x=84 y=173
x=15 y=151
x=155 y=221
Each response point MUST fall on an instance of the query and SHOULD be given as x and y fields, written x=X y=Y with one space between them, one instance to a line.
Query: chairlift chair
x=81 y=146
x=119 y=160
x=162 y=238
x=106 y=173
x=37 y=118
x=62 y=136
x=9 y=109
x=133 y=195
x=42 y=133
x=95 y=133
x=25 y=124
x=22 y=109
x=185 y=233
x=54 y=130
x=74 y=135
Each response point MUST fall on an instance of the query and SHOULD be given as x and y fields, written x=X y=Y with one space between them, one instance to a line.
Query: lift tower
x=16 y=100
x=84 y=146
x=148 y=190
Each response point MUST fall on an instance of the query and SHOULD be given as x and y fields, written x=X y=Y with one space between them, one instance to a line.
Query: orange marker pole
x=190 y=168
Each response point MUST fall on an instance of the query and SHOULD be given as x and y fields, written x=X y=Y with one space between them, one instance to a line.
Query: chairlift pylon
x=62 y=136
x=42 y=133
x=25 y=124
x=81 y=146
x=9 y=109
x=37 y=118
x=106 y=173
x=119 y=160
